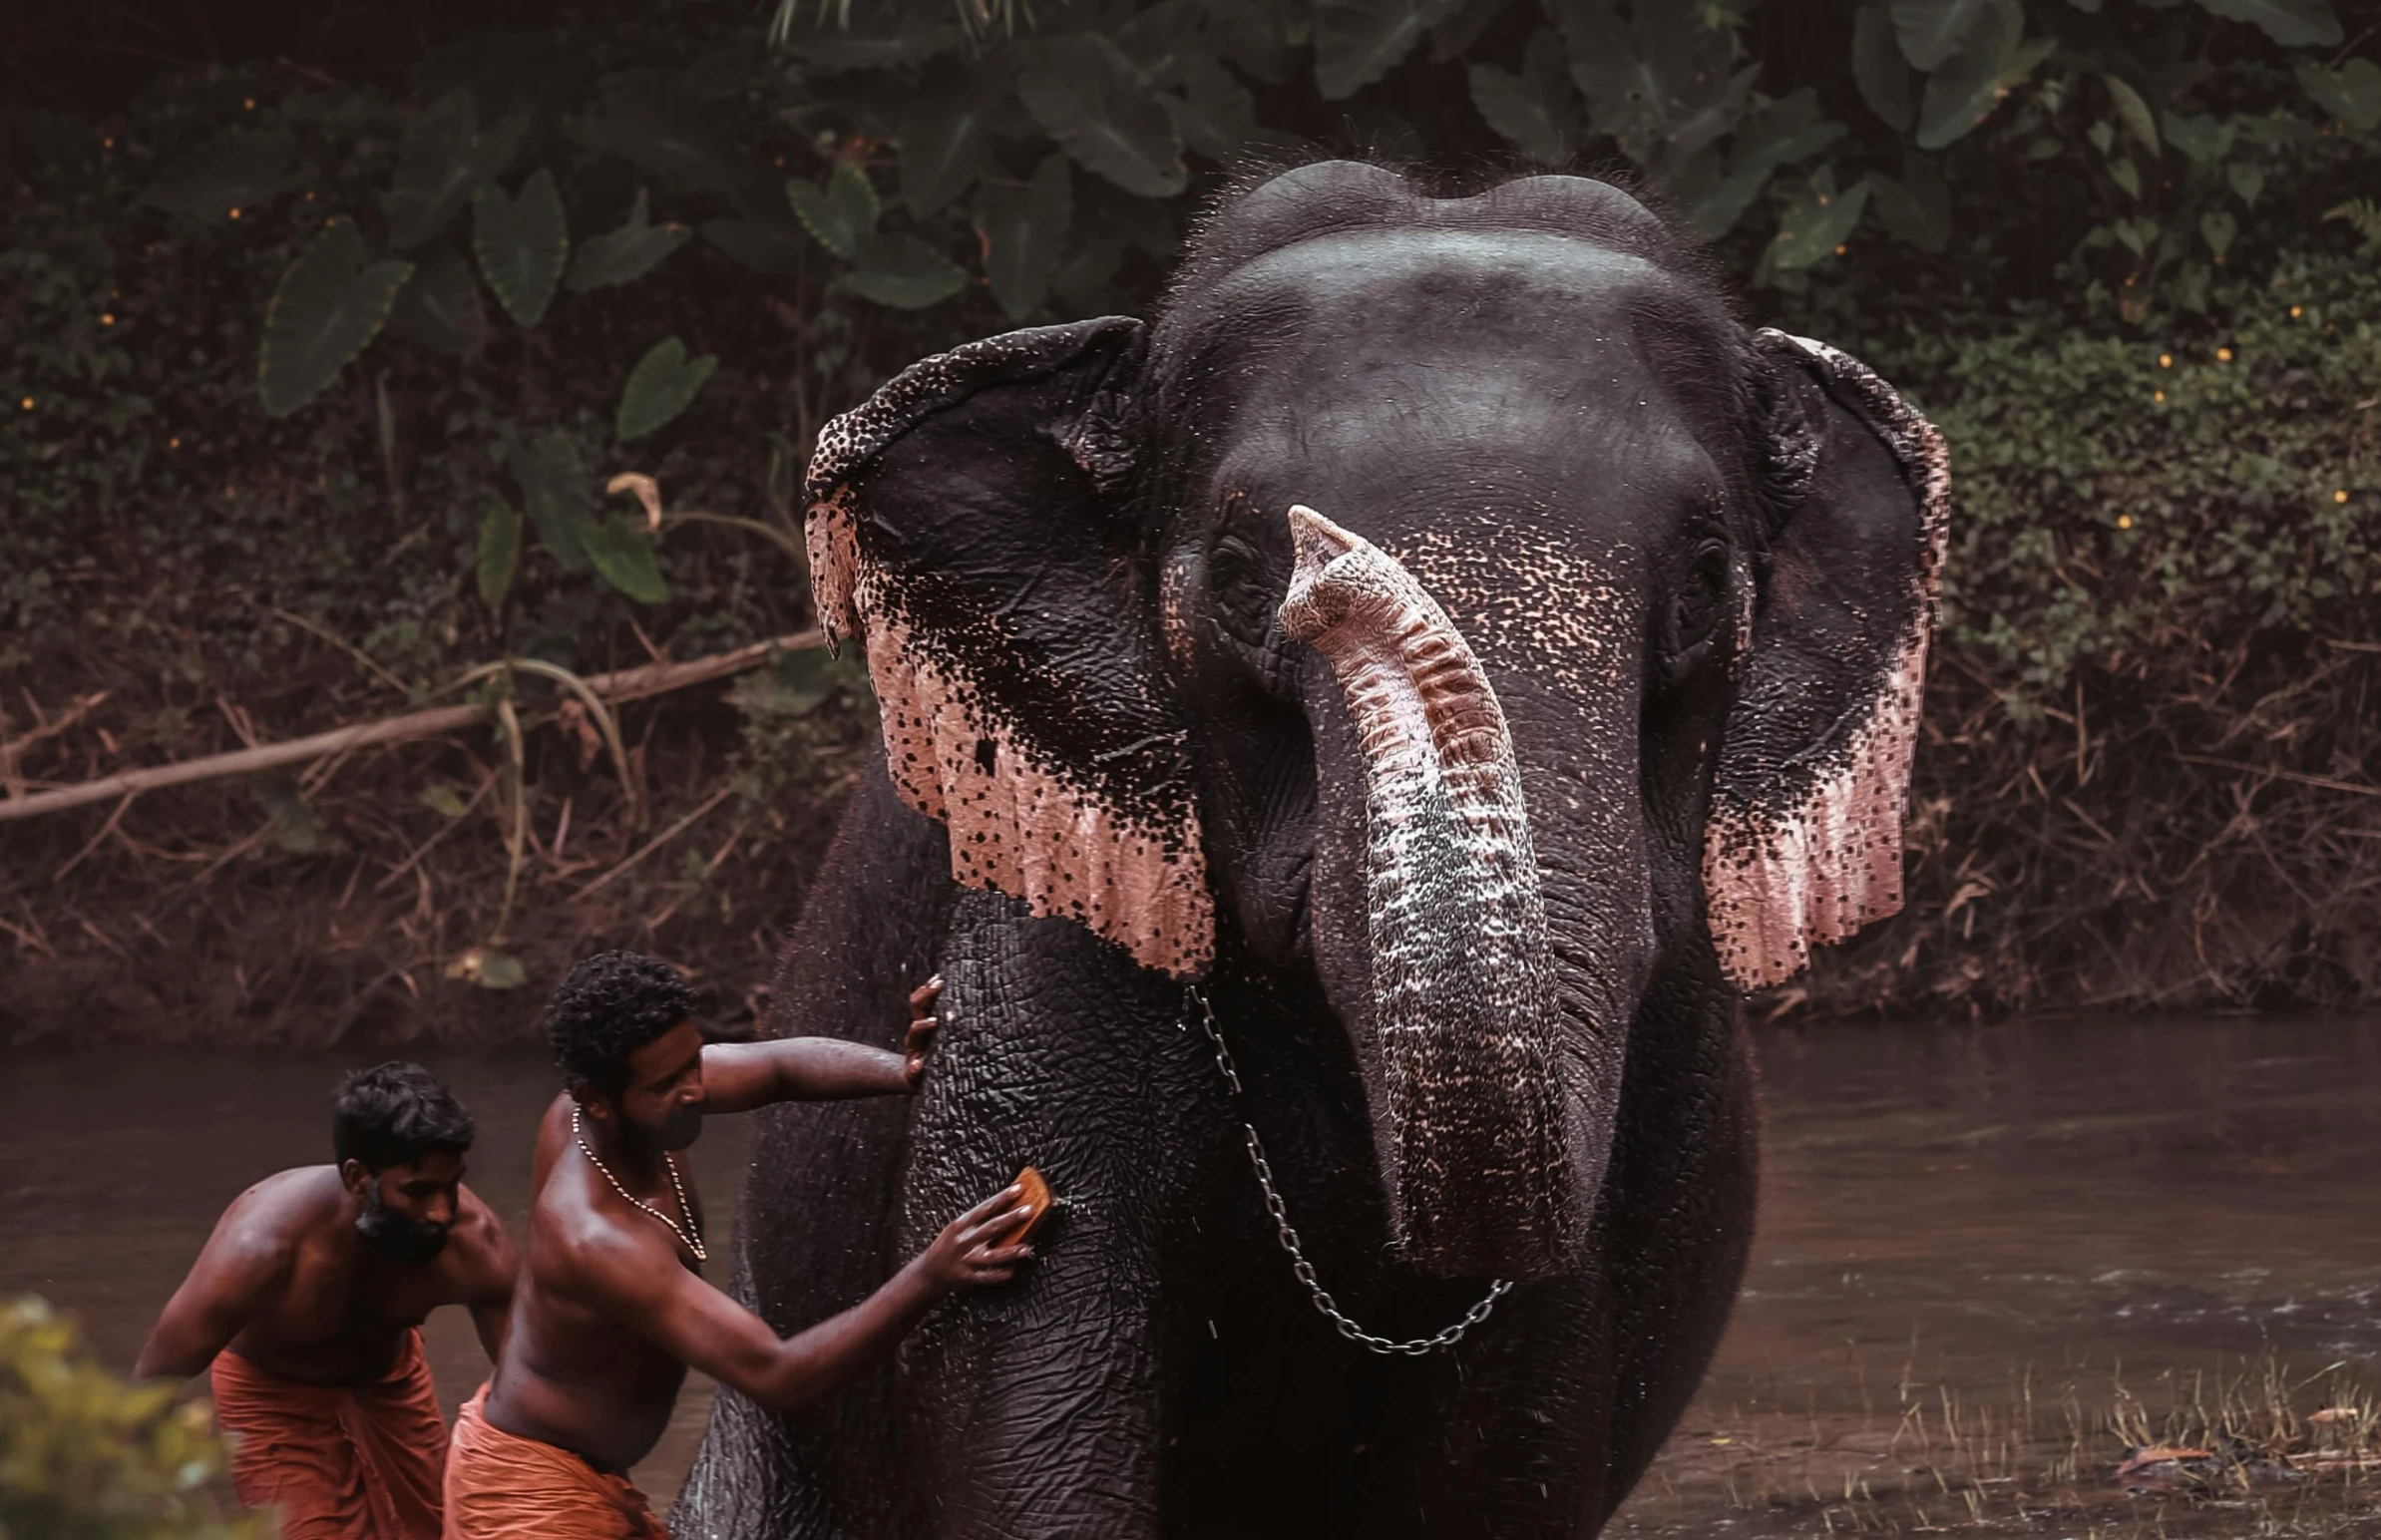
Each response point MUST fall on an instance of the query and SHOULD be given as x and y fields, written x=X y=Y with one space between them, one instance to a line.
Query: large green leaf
x=2351 y=92
x=556 y=491
x=902 y=271
x=1992 y=56
x=773 y=247
x=2199 y=137
x=1713 y=195
x=440 y=307
x=1880 y=71
x=662 y=386
x=625 y=255
x=442 y=159
x=623 y=553
x=2218 y=227
x=794 y=684
x=238 y=169
x=944 y=147
x=1215 y=112
x=1160 y=39
x=665 y=127
x=498 y=554
x=1664 y=85
x=1025 y=235
x=1931 y=31
x=1259 y=37
x=2136 y=233
x=522 y=243
x=2133 y=113
x=839 y=214
x=1359 y=41
x=1816 y=223
x=328 y=308
x=1916 y=206
x=1102 y=111
x=2291 y=23
x=1533 y=110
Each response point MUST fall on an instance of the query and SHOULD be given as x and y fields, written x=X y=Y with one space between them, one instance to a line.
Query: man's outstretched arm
x=696 y=1323
x=241 y=1266
x=739 y=1076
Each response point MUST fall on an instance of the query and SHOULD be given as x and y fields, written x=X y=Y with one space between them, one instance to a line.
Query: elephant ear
x=1803 y=844
x=966 y=525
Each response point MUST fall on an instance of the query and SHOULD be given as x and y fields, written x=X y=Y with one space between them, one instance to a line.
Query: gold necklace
x=693 y=1243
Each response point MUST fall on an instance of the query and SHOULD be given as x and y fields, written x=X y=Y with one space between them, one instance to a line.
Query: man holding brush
x=611 y=1305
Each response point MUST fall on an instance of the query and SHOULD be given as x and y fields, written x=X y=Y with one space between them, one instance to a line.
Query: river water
x=1992 y=1262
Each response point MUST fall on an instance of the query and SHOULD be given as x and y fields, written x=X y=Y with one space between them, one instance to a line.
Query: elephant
x=1351 y=742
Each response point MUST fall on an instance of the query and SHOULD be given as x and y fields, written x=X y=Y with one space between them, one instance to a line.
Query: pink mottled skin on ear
x=1780 y=878
x=1018 y=826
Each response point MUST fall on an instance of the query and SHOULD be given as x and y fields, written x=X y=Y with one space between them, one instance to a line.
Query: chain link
x=1413 y=1348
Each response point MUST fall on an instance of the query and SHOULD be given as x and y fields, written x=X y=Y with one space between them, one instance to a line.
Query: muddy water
x=1991 y=1262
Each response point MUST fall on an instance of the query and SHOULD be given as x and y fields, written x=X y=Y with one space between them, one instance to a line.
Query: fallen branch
x=628 y=684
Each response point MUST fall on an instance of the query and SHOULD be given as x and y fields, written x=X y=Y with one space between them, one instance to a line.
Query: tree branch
x=628 y=684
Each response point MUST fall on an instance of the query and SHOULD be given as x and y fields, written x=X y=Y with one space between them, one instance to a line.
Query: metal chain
x=1413 y=1348
x=692 y=1241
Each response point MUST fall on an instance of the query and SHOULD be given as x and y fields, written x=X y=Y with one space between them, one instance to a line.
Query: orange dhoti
x=357 y=1462
x=501 y=1486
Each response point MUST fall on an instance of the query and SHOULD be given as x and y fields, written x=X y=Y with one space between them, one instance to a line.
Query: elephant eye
x=1697 y=606
x=1243 y=598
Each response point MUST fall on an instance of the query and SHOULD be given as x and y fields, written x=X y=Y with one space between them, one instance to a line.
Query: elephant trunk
x=1469 y=1106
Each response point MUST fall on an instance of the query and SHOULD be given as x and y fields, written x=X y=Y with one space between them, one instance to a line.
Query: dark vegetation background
x=327 y=325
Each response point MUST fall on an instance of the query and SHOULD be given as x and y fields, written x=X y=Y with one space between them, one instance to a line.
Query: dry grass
x=2265 y=1449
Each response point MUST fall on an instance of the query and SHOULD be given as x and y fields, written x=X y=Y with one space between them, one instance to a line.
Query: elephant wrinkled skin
x=1452 y=641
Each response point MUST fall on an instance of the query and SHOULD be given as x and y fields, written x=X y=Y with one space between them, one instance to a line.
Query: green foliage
x=443 y=161
x=662 y=386
x=556 y=491
x=499 y=553
x=1024 y=232
x=2121 y=500
x=625 y=255
x=624 y=553
x=1096 y=104
x=234 y=170
x=839 y=214
x=86 y=1456
x=328 y=308
x=522 y=243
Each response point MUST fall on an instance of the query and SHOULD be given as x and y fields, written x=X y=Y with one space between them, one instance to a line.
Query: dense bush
x=2127 y=499
x=85 y=1456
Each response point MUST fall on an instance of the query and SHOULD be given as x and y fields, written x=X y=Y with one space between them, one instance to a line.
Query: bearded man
x=614 y=1306
x=306 y=1305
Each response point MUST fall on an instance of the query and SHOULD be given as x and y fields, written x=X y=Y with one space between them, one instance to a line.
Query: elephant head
x=1443 y=599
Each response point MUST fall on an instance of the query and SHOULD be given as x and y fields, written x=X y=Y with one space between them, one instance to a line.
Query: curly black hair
x=394 y=1114
x=609 y=1007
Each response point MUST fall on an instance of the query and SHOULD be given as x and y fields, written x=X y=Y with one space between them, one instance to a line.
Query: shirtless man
x=306 y=1306
x=613 y=1306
